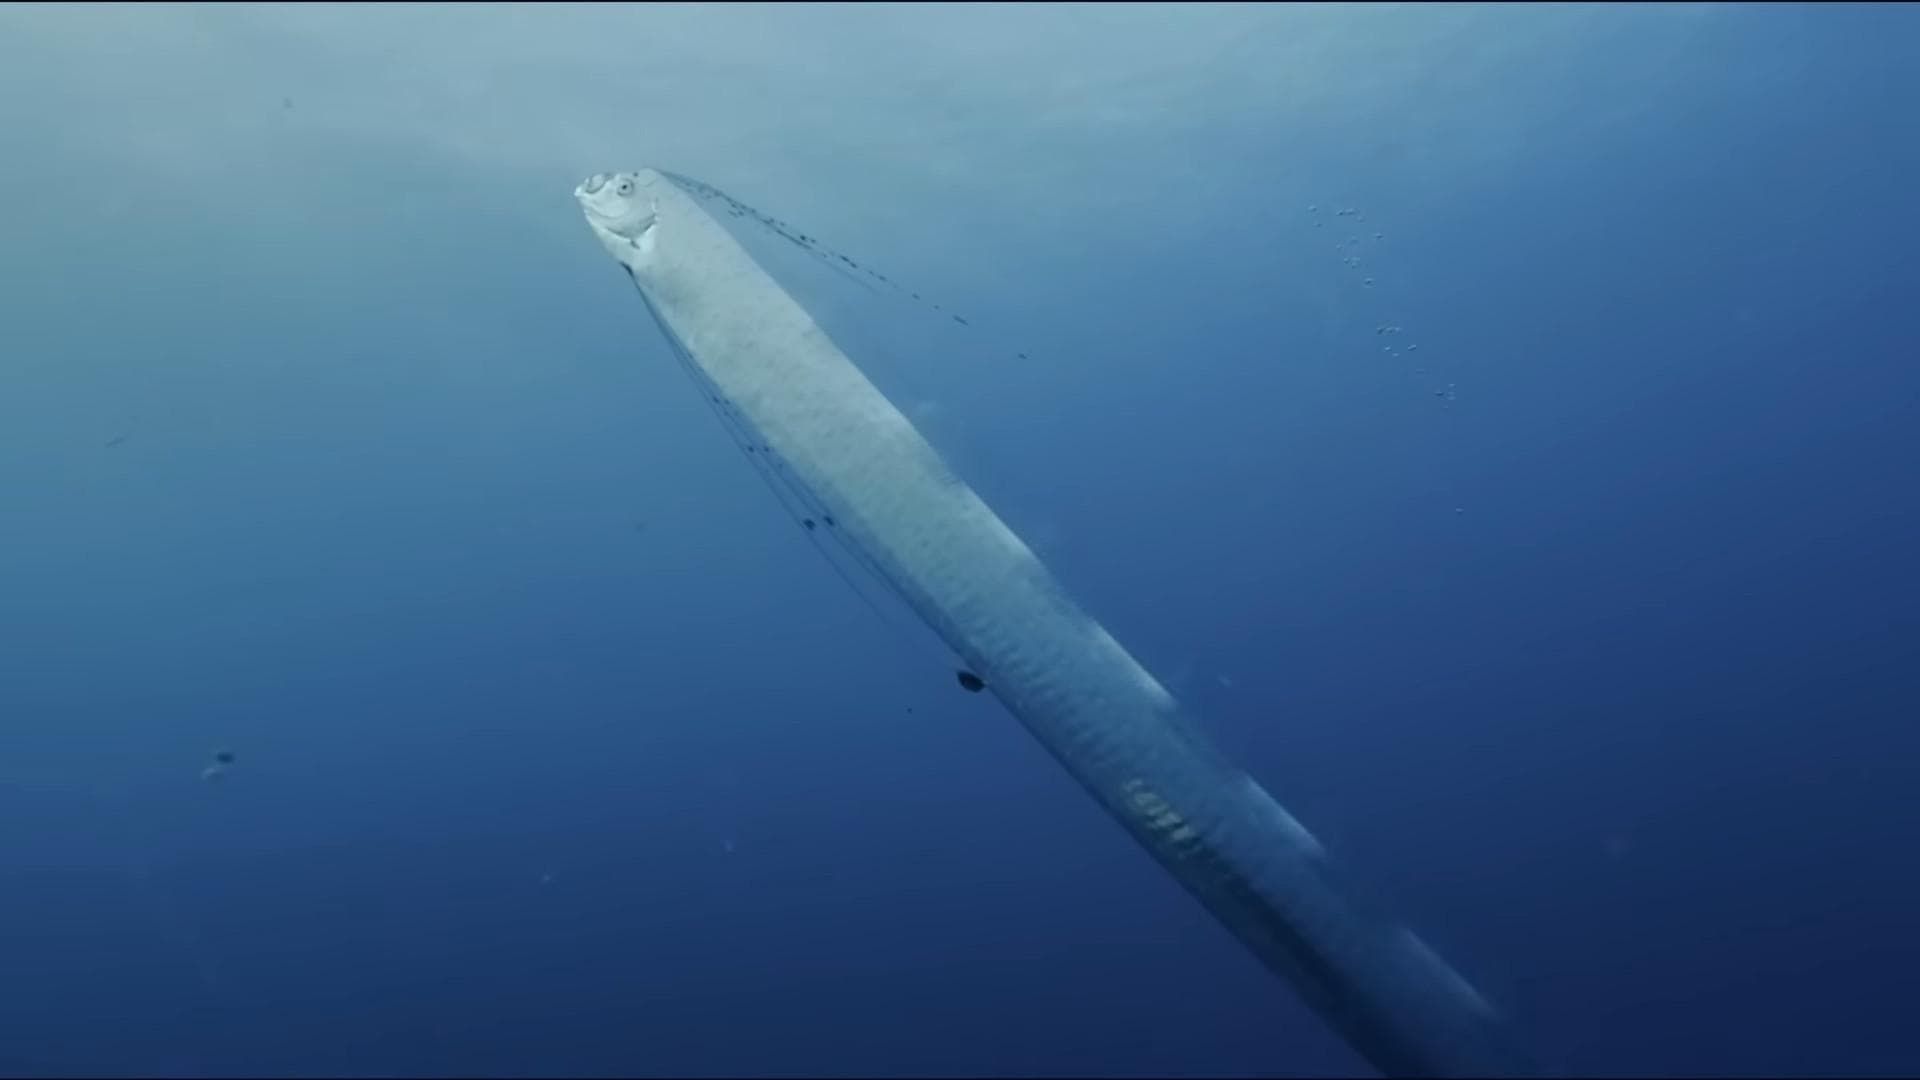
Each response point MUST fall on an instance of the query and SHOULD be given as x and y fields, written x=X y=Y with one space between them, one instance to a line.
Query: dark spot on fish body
x=829 y=520
x=970 y=682
x=808 y=522
x=961 y=321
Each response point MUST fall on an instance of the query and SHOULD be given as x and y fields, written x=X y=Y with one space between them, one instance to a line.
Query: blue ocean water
x=1498 y=422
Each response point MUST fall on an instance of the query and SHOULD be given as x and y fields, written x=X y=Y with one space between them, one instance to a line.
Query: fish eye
x=625 y=187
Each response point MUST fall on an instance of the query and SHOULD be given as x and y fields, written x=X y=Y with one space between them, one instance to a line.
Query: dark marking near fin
x=970 y=681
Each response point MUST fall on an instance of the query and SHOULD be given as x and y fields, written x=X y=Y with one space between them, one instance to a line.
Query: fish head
x=622 y=209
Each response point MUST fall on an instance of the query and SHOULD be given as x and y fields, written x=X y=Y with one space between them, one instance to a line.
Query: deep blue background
x=561 y=752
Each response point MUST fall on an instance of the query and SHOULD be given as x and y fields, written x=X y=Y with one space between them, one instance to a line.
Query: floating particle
x=1368 y=283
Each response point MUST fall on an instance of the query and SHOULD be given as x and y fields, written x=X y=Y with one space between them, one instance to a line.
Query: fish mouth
x=592 y=185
